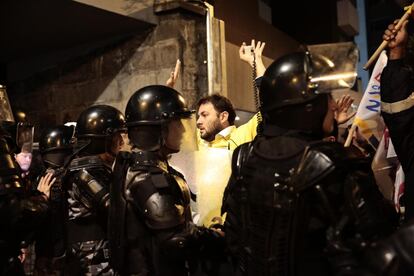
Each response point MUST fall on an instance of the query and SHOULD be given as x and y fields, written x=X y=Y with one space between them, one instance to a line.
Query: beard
x=211 y=132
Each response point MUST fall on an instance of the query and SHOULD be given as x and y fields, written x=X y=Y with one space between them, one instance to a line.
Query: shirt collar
x=225 y=132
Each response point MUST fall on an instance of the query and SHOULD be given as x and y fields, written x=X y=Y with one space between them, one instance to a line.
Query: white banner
x=368 y=117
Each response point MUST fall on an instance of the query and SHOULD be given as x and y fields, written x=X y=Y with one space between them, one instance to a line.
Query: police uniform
x=21 y=215
x=296 y=205
x=150 y=226
x=56 y=149
x=87 y=184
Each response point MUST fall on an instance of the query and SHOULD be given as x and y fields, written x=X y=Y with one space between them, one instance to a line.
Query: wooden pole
x=350 y=134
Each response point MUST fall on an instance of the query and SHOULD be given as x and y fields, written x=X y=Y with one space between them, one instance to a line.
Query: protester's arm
x=174 y=75
x=247 y=132
x=249 y=129
x=254 y=54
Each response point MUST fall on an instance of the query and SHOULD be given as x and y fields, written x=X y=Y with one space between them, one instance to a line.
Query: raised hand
x=343 y=105
x=397 y=39
x=174 y=75
x=248 y=53
x=45 y=183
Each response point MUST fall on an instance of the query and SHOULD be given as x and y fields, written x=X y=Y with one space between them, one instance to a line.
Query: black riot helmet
x=289 y=98
x=56 y=144
x=96 y=125
x=149 y=110
x=20 y=132
x=287 y=81
x=155 y=104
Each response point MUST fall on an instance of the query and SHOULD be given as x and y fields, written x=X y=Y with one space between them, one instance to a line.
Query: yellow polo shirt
x=231 y=137
x=214 y=168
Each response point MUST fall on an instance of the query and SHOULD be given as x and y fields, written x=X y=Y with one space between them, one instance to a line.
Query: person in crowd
x=296 y=205
x=56 y=149
x=98 y=133
x=20 y=213
x=397 y=85
x=151 y=229
x=24 y=159
x=216 y=114
x=215 y=122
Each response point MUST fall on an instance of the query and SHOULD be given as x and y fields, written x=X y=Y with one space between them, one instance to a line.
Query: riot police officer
x=20 y=214
x=98 y=133
x=151 y=230
x=296 y=205
x=56 y=148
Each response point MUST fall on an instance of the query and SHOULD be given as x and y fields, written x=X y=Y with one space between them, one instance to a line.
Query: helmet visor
x=189 y=138
x=6 y=113
x=181 y=135
x=334 y=66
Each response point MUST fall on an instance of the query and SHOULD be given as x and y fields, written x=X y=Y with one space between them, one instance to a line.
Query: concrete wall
x=111 y=75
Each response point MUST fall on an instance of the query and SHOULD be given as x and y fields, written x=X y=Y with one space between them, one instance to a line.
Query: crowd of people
x=297 y=202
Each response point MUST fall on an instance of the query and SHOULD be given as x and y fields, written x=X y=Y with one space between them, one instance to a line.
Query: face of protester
x=24 y=159
x=210 y=122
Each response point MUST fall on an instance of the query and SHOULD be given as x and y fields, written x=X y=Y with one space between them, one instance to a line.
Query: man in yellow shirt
x=217 y=137
x=215 y=122
x=216 y=113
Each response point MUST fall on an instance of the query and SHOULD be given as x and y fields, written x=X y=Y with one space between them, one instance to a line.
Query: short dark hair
x=220 y=104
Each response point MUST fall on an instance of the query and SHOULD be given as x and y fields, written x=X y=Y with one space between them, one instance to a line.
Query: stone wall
x=110 y=75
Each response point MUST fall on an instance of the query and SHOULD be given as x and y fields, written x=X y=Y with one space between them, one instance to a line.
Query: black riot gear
x=87 y=182
x=20 y=213
x=56 y=148
x=299 y=209
x=296 y=205
x=19 y=133
x=287 y=81
x=10 y=195
x=289 y=98
x=155 y=104
x=97 y=124
x=56 y=144
x=87 y=187
x=9 y=168
x=392 y=256
x=150 y=225
x=99 y=121
x=149 y=110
